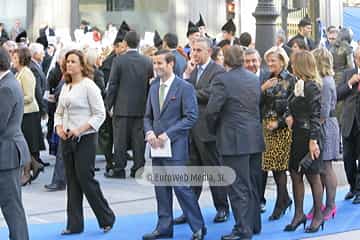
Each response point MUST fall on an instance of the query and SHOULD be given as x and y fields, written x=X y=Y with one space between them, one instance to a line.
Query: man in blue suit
x=171 y=111
x=14 y=150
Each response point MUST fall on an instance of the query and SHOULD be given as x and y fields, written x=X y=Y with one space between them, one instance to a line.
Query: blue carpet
x=134 y=226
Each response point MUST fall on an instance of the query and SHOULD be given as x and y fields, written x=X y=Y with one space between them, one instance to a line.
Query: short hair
x=234 y=56
x=304 y=22
x=324 y=61
x=281 y=34
x=204 y=40
x=132 y=39
x=280 y=52
x=171 y=40
x=24 y=56
x=169 y=57
x=36 y=48
x=215 y=52
x=331 y=29
x=250 y=51
x=245 y=39
x=87 y=70
x=344 y=35
x=4 y=60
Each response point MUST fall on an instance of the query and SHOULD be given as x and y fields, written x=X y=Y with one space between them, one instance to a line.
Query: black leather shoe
x=221 y=216
x=112 y=173
x=68 y=232
x=180 y=220
x=234 y=235
x=199 y=235
x=55 y=187
x=46 y=164
x=356 y=199
x=157 y=235
x=349 y=196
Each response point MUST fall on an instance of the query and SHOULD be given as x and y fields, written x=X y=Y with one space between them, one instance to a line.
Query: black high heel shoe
x=292 y=228
x=315 y=229
x=277 y=214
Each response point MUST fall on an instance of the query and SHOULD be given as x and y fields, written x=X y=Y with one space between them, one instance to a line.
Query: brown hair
x=233 y=56
x=24 y=56
x=304 y=66
x=324 y=61
x=87 y=70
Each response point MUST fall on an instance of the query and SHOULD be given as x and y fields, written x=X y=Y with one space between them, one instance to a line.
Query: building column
x=265 y=15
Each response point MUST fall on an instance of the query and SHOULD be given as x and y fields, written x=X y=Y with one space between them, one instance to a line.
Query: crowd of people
x=219 y=103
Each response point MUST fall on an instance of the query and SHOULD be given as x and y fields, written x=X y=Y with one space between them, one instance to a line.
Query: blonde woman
x=330 y=126
x=275 y=92
x=304 y=120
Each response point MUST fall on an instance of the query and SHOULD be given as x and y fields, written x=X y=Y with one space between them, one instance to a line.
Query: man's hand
x=151 y=139
x=191 y=65
x=162 y=138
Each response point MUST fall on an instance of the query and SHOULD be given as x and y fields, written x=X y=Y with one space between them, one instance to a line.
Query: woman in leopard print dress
x=275 y=92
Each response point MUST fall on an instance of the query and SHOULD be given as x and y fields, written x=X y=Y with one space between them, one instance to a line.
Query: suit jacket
x=106 y=66
x=28 y=85
x=233 y=112
x=14 y=150
x=40 y=85
x=180 y=63
x=99 y=80
x=128 y=84
x=202 y=89
x=311 y=43
x=351 y=98
x=177 y=116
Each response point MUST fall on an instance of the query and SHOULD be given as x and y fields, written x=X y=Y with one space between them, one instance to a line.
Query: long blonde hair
x=324 y=61
x=304 y=67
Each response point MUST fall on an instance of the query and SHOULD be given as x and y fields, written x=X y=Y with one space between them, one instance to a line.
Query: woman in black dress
x=304 y=120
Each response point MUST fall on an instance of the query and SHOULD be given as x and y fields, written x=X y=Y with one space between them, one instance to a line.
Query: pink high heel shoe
x=331 y=214
x=310 y=215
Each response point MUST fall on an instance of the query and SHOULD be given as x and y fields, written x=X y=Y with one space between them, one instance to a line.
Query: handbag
x=305 y=163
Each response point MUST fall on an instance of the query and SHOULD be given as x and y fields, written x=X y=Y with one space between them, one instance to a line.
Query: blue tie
x=199 y=73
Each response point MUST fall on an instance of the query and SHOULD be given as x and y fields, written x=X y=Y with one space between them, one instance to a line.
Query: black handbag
x=305 y=163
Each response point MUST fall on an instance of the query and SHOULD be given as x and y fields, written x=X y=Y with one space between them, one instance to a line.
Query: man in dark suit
x=13 y=150
x=170 y=42
x=200 y=72
x=233 y=112
x=126 y=98
x=171 y=111
x=304 y=34
x=349 y=92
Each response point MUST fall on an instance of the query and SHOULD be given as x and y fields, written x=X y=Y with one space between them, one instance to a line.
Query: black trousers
x=79 y=162
x=244 y=193
x=206 y=154
x=351 y=153
x=128 y=134
x=106 y=141
x=11 y=204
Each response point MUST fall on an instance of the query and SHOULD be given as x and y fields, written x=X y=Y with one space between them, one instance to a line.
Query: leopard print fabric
x=277 y=152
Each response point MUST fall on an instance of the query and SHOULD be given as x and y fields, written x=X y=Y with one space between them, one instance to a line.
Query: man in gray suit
x=233 y=113
x=14 y=151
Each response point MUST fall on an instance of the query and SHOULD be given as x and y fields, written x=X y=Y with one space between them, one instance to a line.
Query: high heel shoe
x=36 y=169
x=331 y=214
x=315 y=229
x=292 y=228
x=107 y=228
x=25 y=180
x=277 y=214
x=310 y=215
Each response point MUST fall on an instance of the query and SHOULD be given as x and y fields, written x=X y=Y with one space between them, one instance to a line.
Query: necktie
x=306 y=42
x=199 y=73
x=162 y=95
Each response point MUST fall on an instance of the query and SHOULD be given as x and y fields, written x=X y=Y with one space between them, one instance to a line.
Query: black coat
x=99 y=81
x=233 y=113
x=106 y=66
x=128 y=84
x=351 y=106
x=311 y=43
x=40 y=86
x=202 y=94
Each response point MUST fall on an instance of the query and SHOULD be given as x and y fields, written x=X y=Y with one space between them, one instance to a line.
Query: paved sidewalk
x=126 y=197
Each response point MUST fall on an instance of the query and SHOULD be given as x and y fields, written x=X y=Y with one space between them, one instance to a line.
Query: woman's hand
x=272 y=125
x=289 y=121
x=269 y=84
x=74 y=133
x=60 y=132
x=314 y=149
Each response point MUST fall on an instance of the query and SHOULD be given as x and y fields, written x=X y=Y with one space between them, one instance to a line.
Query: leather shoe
x=199 y=235
x=234 y=235
x=55 y=187
x=180 y=220
x=45 y=164
x=157 y=235
x=112 y=173
x=356 y=199
x=221 y=216
x=349 y=196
